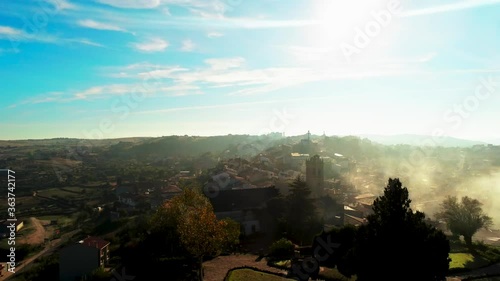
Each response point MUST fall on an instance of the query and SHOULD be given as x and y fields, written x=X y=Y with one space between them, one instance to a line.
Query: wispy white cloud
x=215 y=26
x=231 y=73
x=207 y=14
x=208 y=9
x=152 y=45
x=187 y=45
x=141 y=70
x=88 y=23
x=159 y=72
x=18 y=35
x=228 y=105
x=62 y=5
x=462 y=5
x=9 y=31
x=237 y=80
x=211 y=14
x=250 y=82
x=214 y=34
x=157 y=89
x=333 y=55
x=132 y=4
x=14 y=34
x=49 y=97
x=225 y=63
x=84 y=41
x=180 y=90
x=93 y=92
x=232 y=23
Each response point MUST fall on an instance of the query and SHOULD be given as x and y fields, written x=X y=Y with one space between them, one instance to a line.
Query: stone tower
x=315 y=176
x=306 y=144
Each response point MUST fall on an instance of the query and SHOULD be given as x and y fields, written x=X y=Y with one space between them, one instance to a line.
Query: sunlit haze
x=265 y=140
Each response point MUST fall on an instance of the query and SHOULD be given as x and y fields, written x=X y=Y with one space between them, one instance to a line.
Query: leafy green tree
x=201 y=233
x=163 y=238
x=464 y=218
x=397 y=243
x=198 y=230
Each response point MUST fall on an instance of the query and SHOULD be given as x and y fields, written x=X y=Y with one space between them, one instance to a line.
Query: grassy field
x=252 y=275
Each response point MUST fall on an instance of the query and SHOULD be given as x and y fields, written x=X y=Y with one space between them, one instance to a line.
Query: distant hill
x=193 y=146
x=493 y=141
x=421 y=139
x=70 y=141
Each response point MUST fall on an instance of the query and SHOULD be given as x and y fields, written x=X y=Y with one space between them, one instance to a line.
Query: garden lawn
x=466 y=260
x=459 y=260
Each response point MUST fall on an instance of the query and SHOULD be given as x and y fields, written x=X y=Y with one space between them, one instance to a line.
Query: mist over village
x=226 y=140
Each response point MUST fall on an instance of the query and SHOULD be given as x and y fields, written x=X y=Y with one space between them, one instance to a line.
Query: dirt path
x=216 y=269
x=38 y=236
x=47 y=250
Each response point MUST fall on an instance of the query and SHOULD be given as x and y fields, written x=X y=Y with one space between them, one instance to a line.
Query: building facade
x=315 y=176
x=82 y=258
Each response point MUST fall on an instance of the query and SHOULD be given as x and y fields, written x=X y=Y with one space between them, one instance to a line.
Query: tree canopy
x=396 y=243
x=463 y=218
x=196 y=227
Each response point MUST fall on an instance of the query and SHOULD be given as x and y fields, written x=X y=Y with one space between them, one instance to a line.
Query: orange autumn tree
x=199 y=230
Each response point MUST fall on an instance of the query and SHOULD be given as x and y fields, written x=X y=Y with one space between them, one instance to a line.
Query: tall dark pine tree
x=302 y=219
x=397 y=243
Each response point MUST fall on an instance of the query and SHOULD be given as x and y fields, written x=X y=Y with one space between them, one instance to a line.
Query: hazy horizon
x=389 y=139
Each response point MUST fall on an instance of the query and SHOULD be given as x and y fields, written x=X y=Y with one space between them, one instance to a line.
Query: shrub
x=281 y=249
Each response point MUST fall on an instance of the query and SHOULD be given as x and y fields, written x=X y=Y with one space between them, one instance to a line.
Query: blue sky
x=122 y=68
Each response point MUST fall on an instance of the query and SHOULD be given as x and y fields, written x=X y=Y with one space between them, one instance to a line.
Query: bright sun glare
x=336 y=19
x=336 y=22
